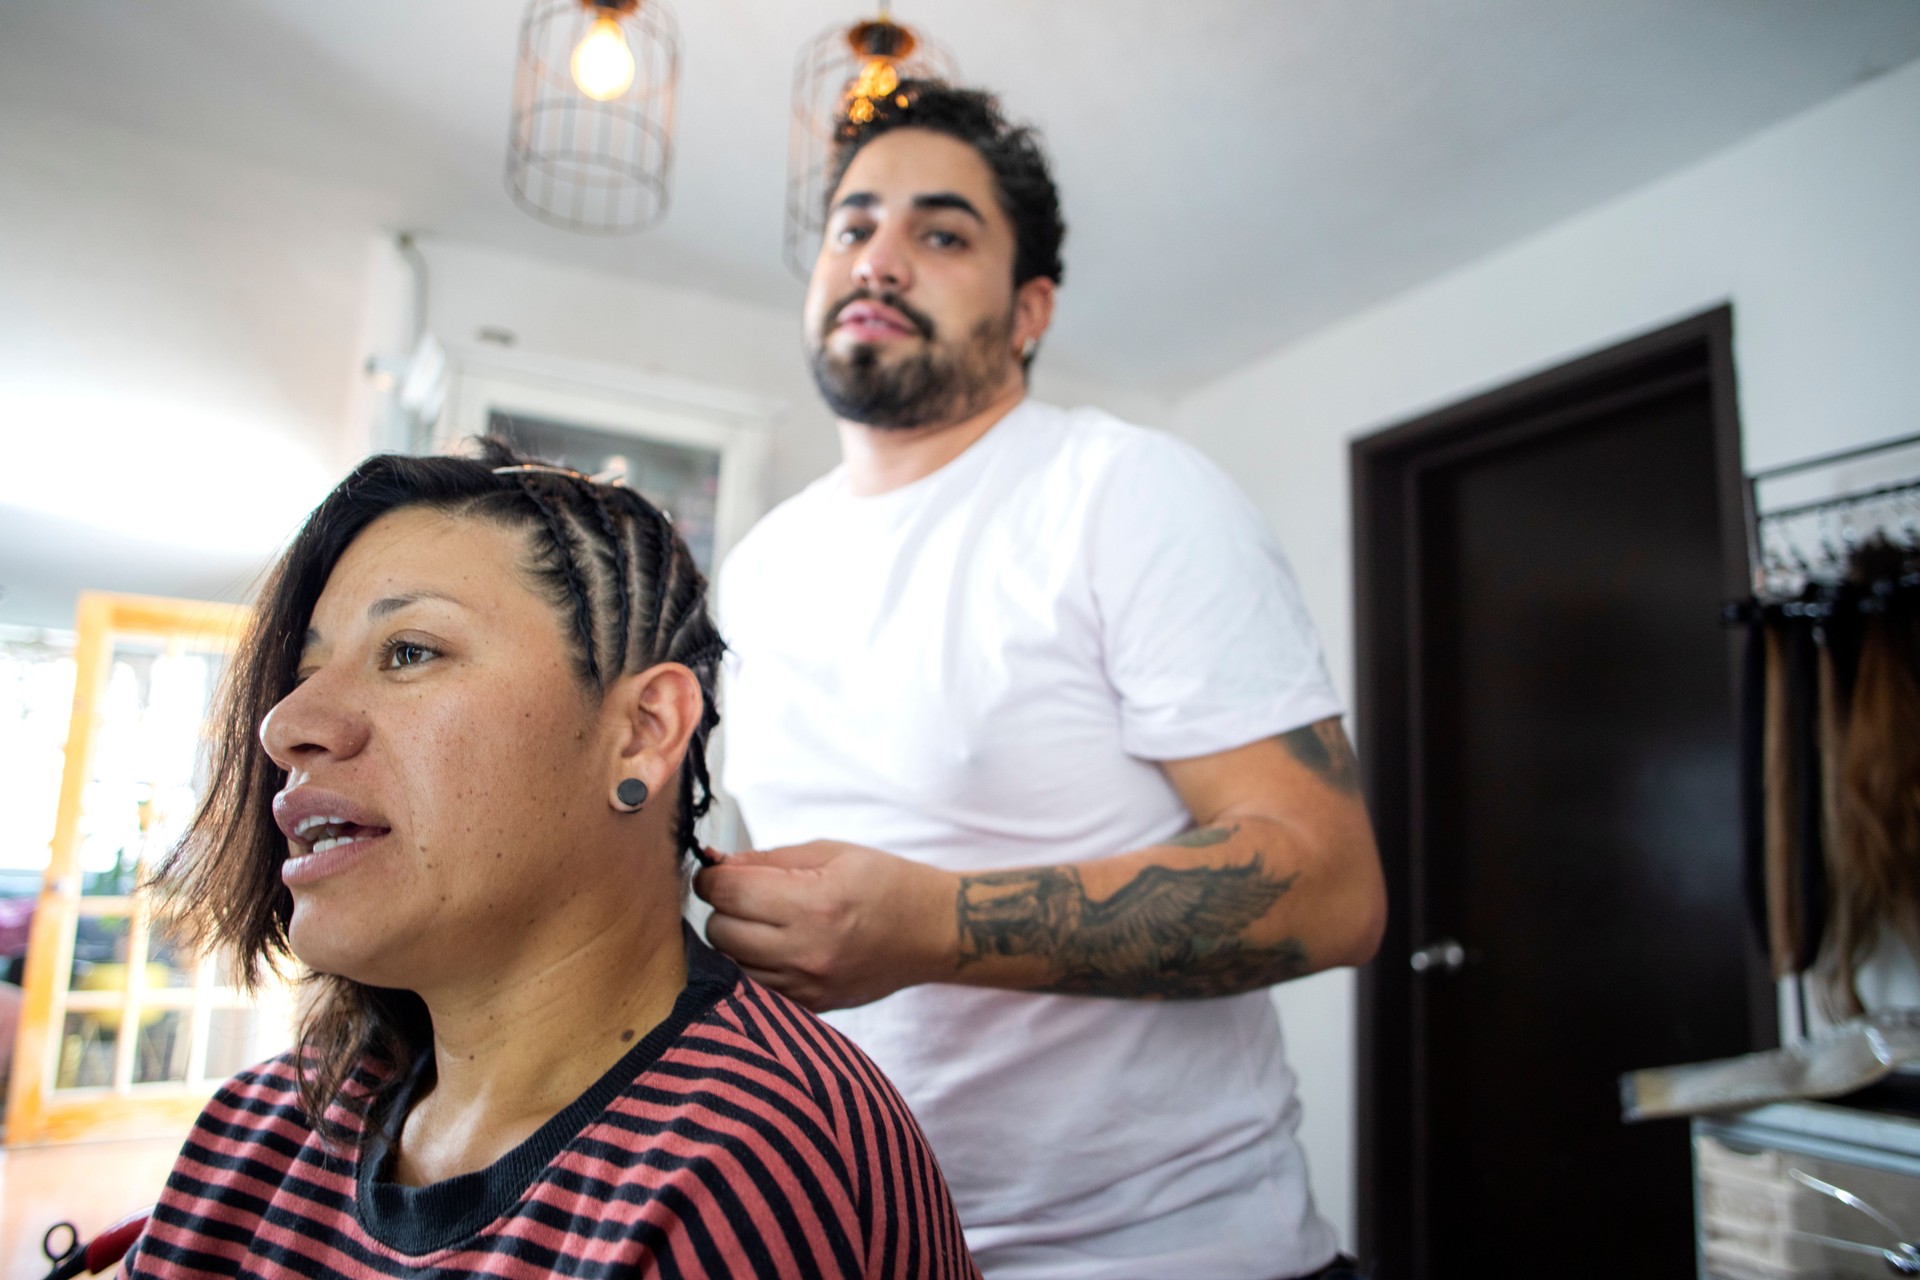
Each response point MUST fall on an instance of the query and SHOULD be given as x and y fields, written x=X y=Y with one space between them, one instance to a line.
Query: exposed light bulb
x=877 y=78
x=602 y=63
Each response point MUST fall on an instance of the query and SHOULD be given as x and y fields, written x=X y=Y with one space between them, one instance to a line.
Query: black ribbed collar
x=418 y=1220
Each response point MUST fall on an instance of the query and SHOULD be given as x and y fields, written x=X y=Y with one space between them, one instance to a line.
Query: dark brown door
x=1549 y=724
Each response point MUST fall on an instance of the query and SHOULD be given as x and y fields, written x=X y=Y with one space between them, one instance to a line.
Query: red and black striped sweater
x=742 y=1137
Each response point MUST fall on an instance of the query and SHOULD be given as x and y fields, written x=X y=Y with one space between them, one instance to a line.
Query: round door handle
x=1444 y=956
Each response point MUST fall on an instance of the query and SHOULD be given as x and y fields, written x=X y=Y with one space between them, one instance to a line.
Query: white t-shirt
x=977 y=670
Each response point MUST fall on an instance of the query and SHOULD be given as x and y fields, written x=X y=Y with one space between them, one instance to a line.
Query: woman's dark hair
x=609 y=562
x=1020 y=174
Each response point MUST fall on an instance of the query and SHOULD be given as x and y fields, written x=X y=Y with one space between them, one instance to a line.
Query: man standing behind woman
x=1034 y=736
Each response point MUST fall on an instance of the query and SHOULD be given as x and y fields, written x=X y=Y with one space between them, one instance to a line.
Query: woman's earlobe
x=630 y=796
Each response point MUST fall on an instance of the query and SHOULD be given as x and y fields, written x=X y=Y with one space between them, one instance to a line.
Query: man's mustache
x=919 y=320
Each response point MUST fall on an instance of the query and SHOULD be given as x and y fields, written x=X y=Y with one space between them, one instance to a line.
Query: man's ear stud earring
x=632 y=792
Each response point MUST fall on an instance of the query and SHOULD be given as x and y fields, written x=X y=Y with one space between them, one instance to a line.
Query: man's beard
x=932 y=387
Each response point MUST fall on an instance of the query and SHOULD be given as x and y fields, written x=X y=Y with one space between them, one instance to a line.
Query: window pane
x=169 y=962
x=36 y=702
x=100 y=953
x=161 y=1051
x=86 y=1050
x=144 y=763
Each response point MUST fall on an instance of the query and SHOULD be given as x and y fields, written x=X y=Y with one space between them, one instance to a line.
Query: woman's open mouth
x=322 y=834
x=326 y=833
x=323 y=845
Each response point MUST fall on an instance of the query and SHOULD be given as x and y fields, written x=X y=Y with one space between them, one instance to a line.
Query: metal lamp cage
x=837 y=79
x=598 y=167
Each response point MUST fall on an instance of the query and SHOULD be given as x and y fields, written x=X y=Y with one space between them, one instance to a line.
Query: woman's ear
x=654 y=714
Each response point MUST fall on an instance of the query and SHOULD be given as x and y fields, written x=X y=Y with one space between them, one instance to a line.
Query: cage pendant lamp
x=590 y=143
x=842 y=77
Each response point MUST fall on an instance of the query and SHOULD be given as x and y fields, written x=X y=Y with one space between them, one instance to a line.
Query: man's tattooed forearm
x=1168 y=933
x=1203 y=837
x=1323 y=748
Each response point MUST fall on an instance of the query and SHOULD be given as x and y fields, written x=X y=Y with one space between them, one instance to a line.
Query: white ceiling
x=1236 y=172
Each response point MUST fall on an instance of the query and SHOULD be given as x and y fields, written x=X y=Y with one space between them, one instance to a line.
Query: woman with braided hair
x=460 y=759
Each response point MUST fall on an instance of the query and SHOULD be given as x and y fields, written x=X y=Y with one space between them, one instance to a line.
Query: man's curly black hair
x=1021 y=177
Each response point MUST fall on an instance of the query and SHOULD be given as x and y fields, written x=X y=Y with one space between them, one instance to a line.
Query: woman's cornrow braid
x=687 y=644
x=707 y=654
x=686 y=605
x=696 y=786
x=622 y=567
x=684 y=634
x=696 y=789
x=649 y=544
x=562 y=542
x=665 y=556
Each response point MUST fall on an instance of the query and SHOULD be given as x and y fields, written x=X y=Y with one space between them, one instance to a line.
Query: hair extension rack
x=1809 y=541
x=1829 y=691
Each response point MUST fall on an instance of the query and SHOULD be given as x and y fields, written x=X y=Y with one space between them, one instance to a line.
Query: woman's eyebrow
x=390 y=605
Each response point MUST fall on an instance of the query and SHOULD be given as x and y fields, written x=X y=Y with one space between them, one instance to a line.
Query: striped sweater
x=741 y=1137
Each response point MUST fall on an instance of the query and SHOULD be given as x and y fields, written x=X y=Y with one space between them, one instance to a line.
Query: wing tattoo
x=1169 y=932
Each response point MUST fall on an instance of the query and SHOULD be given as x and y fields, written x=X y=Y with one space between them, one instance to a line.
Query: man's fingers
x=770 y=895
x=793 y=857
x=752 y=945
x=770 y=885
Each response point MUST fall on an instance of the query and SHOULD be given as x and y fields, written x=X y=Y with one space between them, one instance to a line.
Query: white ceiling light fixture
x=591 y=140
x=843 y=77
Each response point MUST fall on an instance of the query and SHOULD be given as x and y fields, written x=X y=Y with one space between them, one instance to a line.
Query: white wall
x=1809 y=228
x=175 y=344
x=181 y=347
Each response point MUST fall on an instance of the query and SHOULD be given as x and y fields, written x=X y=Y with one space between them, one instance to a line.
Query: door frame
x=1387 y=468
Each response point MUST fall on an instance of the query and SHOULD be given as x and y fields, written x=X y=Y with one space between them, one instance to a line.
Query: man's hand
x=832 y=925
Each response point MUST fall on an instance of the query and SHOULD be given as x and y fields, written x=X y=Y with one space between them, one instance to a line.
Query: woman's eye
x=405 y=653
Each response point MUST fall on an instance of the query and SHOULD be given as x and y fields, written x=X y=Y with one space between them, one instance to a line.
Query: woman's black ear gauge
x=632 y=793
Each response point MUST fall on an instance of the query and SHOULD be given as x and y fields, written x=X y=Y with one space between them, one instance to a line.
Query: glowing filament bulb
x=877 y=79
x=602 y=63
